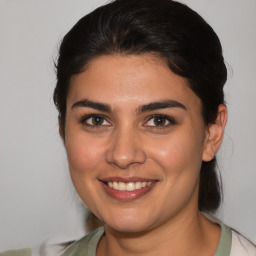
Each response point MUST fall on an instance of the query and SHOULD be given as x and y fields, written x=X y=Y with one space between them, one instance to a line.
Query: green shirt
x=23 y=252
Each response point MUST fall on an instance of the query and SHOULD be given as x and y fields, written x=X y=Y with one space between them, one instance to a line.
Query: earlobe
x=215 y=133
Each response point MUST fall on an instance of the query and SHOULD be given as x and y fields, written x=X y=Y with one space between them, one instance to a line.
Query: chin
x=128 y=228
x=129 y=224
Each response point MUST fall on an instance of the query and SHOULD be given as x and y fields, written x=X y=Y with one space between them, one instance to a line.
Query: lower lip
x=127 y=195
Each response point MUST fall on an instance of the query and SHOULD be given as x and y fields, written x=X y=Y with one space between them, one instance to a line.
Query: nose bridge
x=126 y=147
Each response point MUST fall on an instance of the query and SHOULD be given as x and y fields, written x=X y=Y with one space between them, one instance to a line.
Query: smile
x=130 y=186
x=127 y=189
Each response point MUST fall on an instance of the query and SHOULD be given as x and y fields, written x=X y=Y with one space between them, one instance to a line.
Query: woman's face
x=134 y=138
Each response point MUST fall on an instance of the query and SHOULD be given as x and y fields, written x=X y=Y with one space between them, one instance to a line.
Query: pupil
x=158 y=121
x=97 y=120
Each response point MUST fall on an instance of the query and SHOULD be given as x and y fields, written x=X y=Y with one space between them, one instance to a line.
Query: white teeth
x=121 y=186
x=130 y=186
x=138 y=185
x=115 y=185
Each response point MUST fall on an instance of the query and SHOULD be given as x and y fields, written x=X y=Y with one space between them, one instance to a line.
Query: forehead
x=131 y=79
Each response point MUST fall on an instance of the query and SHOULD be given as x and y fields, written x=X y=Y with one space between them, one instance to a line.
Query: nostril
x=125 y=149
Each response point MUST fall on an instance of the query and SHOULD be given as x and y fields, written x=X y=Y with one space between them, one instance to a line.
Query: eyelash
x=165 y=118
x=84 y=121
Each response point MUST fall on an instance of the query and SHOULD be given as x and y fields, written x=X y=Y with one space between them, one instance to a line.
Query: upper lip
x=126 y=179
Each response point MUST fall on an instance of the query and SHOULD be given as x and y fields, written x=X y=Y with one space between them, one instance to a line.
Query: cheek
x=85 y=158
x=180 y=159
x=177 y=152
x=83 y=153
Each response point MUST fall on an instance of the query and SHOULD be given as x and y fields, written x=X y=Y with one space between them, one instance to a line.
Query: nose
x=126 y=149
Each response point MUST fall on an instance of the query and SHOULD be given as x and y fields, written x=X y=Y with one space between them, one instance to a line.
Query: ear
x=215 y=133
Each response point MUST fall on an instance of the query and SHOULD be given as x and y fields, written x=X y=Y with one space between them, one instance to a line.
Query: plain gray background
x=37 y=201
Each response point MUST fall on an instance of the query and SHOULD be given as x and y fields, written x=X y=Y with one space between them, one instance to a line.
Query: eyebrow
x=161 y=105
x=144 y=108
x=92 y=104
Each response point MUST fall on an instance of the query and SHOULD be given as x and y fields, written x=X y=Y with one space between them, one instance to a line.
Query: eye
x=95 y=120
x=160 y=121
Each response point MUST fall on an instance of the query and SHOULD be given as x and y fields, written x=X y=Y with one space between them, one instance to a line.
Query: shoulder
x=22 y=252
x=241 y=246
x=231 y=242
x=86 y=245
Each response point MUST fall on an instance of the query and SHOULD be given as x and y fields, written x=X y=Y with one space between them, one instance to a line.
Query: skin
x=126 y=141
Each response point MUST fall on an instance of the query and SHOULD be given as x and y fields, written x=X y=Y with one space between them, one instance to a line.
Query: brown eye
x=95 y=120
x=160 y=121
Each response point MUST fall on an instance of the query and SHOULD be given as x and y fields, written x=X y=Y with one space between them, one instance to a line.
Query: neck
x=189 y=234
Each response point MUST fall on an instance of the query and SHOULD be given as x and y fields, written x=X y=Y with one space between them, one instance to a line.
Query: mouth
x=130 y=186
x=127 y=189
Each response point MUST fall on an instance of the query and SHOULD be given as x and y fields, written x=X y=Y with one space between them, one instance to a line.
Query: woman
x=142 y=115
